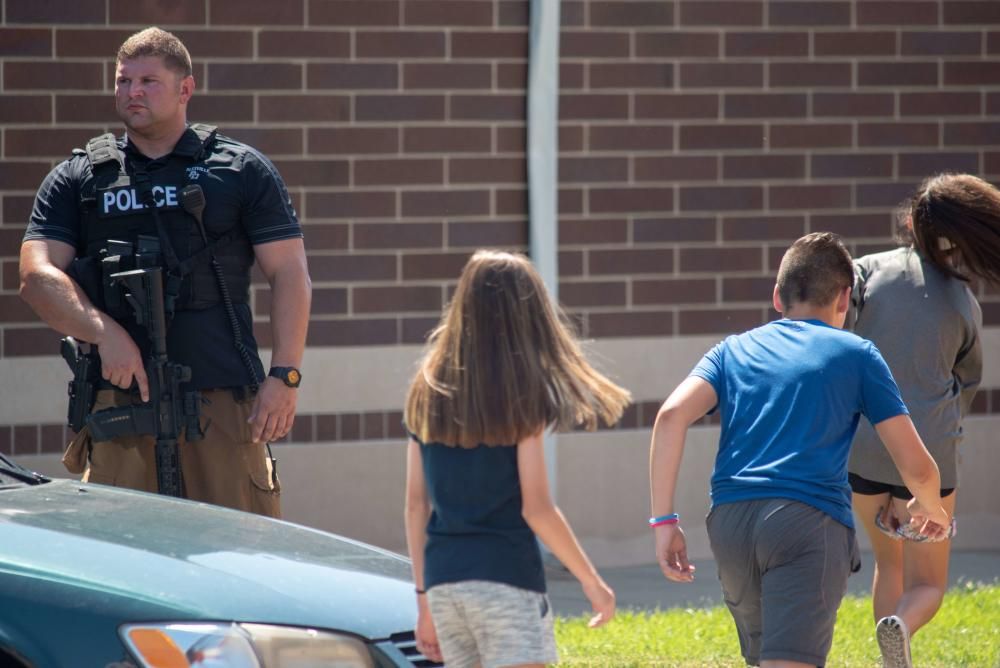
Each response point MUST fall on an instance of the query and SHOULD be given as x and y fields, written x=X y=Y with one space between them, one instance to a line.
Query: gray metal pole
x=543 y=156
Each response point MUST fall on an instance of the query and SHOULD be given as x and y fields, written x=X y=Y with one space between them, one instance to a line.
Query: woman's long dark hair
x=956 y=213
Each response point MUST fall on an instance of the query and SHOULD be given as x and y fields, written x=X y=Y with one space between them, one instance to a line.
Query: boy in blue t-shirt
x=789 y=394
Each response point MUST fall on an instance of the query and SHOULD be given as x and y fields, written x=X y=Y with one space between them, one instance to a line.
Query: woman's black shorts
x=868 y=487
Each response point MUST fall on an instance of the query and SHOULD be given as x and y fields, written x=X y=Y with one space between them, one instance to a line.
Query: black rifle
x=169 y=409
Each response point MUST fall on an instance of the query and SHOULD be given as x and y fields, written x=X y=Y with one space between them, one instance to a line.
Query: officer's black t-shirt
x=243 y=191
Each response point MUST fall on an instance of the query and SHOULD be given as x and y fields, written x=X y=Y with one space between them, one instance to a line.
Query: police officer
x=129 y=187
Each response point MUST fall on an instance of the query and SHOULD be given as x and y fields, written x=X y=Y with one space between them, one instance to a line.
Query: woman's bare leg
x=925 y=574
x=887 y=584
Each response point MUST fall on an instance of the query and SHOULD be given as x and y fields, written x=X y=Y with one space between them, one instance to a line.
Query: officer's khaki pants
x=224 y=468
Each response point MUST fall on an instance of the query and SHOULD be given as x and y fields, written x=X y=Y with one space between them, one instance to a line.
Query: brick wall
x=697 y=138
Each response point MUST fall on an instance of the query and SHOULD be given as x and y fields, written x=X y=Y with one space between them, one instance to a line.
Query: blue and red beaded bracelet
x=672 y=518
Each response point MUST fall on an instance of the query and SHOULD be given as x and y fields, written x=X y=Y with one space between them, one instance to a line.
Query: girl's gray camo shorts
x=492 y=624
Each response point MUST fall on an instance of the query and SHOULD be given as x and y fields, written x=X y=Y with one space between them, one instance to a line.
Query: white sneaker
x=894 y=642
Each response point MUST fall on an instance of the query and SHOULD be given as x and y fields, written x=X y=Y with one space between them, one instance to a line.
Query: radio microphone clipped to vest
x=193 y=201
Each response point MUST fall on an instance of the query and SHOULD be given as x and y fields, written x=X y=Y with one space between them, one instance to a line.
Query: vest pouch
x=113 y=259
x=235 y=257
x=121 y=215
x=199 y=289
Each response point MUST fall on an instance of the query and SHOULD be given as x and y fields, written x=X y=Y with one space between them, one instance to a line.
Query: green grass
x=965 y=632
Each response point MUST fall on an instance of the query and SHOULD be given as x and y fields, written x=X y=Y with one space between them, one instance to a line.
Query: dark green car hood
x=179 y=560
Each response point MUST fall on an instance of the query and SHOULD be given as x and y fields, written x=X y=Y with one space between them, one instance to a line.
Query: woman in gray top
x=914 y=303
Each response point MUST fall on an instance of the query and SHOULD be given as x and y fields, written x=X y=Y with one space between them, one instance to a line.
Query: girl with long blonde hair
x=500 y=368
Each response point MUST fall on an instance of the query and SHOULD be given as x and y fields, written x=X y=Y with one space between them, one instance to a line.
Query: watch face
x=294 y=377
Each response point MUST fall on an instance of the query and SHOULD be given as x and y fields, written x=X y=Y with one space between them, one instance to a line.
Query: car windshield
x=15 y=475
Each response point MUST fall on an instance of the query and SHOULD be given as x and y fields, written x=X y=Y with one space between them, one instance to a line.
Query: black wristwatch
x=289 y=375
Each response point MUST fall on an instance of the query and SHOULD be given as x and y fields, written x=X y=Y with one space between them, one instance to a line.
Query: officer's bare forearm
x=62 y=304
x=291 y=297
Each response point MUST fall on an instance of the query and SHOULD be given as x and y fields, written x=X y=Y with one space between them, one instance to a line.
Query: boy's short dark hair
x=814 y=270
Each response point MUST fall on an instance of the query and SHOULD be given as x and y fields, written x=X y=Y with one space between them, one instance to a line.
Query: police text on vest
x=126 y=199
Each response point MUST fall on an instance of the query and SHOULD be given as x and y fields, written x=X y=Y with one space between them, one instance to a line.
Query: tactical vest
x=115 y=205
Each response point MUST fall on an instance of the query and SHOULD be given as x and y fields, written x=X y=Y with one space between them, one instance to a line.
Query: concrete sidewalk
x=644 y=587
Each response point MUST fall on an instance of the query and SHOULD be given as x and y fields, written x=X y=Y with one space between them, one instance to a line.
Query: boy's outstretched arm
x=918 y=470
x=692 y=399
x=549 y=524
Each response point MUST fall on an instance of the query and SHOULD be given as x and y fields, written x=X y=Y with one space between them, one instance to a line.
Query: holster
x=82 y=388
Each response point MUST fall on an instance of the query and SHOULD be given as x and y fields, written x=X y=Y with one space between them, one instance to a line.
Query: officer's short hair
x=158 y=43
x=814 y=270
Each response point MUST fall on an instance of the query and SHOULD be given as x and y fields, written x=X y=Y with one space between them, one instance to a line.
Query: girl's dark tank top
x=476 y=530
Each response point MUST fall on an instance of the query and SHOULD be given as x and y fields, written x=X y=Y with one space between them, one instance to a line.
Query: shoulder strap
x=206 y=134
x=100 y=151
x=104 y=149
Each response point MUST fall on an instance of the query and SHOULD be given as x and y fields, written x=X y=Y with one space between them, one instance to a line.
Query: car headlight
x=227 y=645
